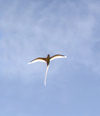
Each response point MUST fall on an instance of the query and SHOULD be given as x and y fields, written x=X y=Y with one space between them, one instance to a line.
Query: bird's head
x=48 y=55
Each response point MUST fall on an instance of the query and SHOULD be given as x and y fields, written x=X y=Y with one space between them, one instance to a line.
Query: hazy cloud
x=32 y=29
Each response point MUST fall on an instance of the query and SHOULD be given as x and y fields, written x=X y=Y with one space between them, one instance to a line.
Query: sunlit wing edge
x=55 y=57
x=37 y=60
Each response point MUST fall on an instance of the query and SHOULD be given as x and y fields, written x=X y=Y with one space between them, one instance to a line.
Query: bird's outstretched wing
x=38 y=60
x=57 y=56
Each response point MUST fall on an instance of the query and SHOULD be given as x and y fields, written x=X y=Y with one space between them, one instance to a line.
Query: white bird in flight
x=47 y=61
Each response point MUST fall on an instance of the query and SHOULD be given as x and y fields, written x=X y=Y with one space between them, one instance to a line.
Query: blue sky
x=33 y=28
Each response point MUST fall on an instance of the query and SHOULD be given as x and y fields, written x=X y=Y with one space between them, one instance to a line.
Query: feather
x=46 y=75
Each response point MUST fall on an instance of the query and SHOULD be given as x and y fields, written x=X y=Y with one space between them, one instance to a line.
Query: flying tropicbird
x=47 y=61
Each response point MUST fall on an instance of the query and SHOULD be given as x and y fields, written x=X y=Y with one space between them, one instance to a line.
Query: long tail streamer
x=46 y=76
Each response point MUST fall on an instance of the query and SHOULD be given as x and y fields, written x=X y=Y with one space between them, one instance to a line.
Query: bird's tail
x=46 y=75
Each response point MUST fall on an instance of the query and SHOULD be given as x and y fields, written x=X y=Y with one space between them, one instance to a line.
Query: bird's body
x=47 y=61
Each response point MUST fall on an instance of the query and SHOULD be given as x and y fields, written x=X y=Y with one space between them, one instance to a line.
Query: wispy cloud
x=32 y=29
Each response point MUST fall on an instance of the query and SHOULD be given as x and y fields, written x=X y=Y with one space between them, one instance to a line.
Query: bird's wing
x=57 y=56
x=38 y=60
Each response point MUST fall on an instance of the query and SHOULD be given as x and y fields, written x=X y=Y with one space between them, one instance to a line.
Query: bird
x=47 y=60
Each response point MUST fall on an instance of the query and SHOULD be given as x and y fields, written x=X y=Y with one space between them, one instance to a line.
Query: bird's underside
x=47 y=61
